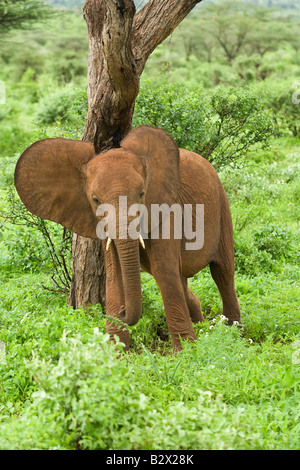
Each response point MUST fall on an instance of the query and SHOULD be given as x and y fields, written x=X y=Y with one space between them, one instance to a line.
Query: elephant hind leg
x=223 y=275
x=193 y=303
x=222 y=268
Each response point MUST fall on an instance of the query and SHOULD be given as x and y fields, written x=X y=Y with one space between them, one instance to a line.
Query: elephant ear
x=51 y=184
x=161 y=154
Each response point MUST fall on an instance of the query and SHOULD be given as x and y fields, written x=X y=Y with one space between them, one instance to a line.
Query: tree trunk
x=120 y=42
x=88 y=280
x=109 y=118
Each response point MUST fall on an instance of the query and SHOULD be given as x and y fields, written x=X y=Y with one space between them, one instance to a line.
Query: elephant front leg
x=166 y=269
x=115 y=299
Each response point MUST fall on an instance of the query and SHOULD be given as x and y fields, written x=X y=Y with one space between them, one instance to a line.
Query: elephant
x=66 y=181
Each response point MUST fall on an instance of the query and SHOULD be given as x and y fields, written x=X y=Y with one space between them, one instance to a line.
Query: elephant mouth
x=141 y=240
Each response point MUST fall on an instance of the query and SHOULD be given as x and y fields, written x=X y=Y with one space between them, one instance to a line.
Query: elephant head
x=65 y=181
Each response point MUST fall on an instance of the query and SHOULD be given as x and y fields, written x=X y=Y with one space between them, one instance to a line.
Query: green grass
x=63 y=386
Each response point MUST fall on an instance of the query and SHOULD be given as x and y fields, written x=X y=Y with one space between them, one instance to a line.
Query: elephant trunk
x=129 y=258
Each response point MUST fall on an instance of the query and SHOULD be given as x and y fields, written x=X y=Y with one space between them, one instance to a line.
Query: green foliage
x=221 y=125
x=13 y=138
x=274 y=240
x=226 y=42
x=71 y=123
x=284 y=4
x=54 y=52
x=22 y=14
x=54 y=107
x=91 y=398
x=268 y=246
x=283 y=100
x=33 y=319
x=88 y=390
x=72 y=4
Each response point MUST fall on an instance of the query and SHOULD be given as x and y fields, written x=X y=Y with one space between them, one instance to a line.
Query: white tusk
x=108 y=243
x=141 y=241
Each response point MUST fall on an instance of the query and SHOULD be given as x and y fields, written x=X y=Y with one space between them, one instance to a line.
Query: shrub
x=278 y=98
x=210 y=396
x=55 y=106
x=91 y=399
x=87 y=400
x=33 y=243
x=274 y=240
x=13 y=138
x=261 y=253
x=221 y=125
x=250 y=260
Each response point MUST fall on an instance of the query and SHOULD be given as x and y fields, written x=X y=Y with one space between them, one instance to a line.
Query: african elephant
x=66 y=182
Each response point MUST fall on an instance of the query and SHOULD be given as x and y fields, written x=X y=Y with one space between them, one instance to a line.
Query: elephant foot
x=196 y=315
x=233 y=316
x=230 y=322
x=238 y=323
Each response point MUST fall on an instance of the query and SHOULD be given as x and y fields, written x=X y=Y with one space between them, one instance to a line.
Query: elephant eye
x=96 y=201
x=142 y=193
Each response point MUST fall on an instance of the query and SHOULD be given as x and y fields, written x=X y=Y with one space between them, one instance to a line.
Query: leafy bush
x=250 y=260
x=13 y=139
x=91 y=400
x=32 y=243
x=208 y=397
x=55 y=106
x=274 y=240
x=33 y=319
x=262 y=252
x=89 y=392
x=220 y=125
x=72 y=124
x=281 y=99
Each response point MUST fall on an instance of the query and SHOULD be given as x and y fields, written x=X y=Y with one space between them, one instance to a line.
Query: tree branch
x=154 y=23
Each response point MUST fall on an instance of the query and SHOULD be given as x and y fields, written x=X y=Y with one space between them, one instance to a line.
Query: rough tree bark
x=120 y=42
